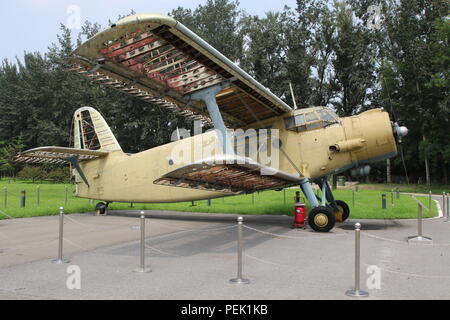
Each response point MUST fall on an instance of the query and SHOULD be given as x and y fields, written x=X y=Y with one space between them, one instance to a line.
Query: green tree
x=32 y=173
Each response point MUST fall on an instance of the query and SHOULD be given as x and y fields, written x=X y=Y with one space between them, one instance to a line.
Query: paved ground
x=194 y=255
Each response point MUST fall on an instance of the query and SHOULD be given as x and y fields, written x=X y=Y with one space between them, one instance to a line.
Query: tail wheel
x=344 y=209
x=321 y=219
x=100 y=208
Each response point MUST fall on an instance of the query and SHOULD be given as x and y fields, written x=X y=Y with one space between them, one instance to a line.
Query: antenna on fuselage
x=292 y=95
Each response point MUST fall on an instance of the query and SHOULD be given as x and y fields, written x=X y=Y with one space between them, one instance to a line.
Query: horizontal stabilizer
x=57 y=155
x=227 y=174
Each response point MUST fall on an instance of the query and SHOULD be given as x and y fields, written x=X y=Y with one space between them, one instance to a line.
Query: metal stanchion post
x=429 y=199
x=444 y=205
x=392 y=198
x=419 y=238
x=353 y=198
x=142 y=268
x=445 y=210
x=60 y=259
x=357 y=292
x=383 y=201
x=239 y=279
x=448 y=210
x=23 y=198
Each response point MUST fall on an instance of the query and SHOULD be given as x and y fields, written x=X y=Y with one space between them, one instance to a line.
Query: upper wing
x=57 y=155
x=157 y=59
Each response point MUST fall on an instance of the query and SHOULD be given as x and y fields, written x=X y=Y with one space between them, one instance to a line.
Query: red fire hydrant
x=300 y=215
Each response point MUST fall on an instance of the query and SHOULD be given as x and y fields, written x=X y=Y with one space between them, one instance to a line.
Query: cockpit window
x=326 y=116
x=311 y=116
x=310 y=119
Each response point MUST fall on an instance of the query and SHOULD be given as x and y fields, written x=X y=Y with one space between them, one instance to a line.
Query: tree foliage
x=326 y=49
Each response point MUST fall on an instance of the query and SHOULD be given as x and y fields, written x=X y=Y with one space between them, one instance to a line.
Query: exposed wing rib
x=157 y=59
x=233 y=175
x=57 y=155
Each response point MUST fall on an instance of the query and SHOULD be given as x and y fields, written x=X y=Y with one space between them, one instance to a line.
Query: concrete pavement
x=193 y=255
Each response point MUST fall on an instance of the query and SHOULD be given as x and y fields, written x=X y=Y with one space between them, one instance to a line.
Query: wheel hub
x=321 y=220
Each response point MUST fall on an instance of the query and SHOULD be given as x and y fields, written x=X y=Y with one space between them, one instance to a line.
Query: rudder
x=91 y=131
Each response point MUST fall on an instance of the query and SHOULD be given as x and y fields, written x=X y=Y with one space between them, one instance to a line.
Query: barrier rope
x=291 y=237
x=75 y=244
x=93 y=228
x=6 y=215
x=191 y=230
x=161 y=251
x=265 y=261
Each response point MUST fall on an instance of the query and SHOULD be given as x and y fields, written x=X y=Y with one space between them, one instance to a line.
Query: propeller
x=399 y=131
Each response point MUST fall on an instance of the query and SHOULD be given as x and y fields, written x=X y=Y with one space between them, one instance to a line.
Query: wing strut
x=208 y=96
x=74 y=162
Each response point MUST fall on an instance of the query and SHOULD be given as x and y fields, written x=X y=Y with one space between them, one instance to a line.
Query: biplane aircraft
x=157 y=59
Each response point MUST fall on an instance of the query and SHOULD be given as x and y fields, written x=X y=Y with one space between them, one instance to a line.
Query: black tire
x=344 y=208
x=321 y=219
x=100 y=208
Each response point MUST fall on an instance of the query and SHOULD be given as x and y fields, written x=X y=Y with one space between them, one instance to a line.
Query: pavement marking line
x=412 y=274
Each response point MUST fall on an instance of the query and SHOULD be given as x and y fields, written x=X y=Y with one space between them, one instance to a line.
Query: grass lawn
x=52 y=196
x=414 y=188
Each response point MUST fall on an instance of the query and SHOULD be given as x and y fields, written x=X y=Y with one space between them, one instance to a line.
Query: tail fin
x=91 y=132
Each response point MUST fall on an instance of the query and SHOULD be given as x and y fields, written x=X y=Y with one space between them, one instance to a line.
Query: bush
x=32 y=173
x=58 y=175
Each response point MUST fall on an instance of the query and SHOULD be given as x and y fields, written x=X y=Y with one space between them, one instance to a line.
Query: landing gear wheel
x=343 y=209
x=321 y=219
x=100 y=209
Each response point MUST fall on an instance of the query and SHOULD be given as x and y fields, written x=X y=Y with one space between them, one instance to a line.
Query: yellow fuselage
x=355 y=141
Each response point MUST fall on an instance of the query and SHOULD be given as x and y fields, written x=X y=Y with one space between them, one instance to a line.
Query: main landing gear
x=101 y=209
x=326 y=210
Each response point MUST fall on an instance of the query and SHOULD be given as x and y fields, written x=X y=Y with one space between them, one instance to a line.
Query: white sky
x=32 y=25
